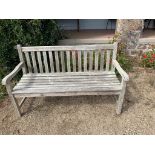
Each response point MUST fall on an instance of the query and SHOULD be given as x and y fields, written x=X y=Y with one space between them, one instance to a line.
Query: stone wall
x=129 y=31
x=144 y=44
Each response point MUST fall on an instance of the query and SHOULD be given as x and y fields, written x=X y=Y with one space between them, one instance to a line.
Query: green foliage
x=2 y=88
x=148 y=59
x=124 y=62
x=27 y=33
x=123 y=59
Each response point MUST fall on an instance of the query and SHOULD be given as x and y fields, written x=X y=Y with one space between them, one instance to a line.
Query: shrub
x=148 y=59
x=123 y=59
x=125 y=62
x=27 y=33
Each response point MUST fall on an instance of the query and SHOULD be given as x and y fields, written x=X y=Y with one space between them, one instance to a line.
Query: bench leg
x=13 y=100
x=121 y=98
x=16 y=105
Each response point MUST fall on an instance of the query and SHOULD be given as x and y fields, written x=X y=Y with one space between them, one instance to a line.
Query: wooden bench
x=67 y=71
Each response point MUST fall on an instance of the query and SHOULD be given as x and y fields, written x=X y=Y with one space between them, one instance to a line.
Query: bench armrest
x=120 y=70
x=6 y=80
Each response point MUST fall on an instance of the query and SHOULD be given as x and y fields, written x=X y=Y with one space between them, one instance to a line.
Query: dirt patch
x=86 y=114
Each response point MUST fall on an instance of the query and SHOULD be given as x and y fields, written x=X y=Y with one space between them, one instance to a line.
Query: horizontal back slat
x=79 y=58
x=68 y=48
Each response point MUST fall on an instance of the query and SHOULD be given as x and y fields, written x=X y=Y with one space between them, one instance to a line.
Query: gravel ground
x=88 y=115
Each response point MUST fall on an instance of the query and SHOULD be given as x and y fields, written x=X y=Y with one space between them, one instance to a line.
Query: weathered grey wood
x=71 y=82
x=120 y=70
x=21 y=57
x=40 y=83
x=43 y=85
x=68 y=48
x=69 y=79
x=96 y=59
x=66 y=94
x=90 y=60
x=62 y=61
x=79 y=61
x=68 y=89
x=85 y=61
x=34 y=62
x=104 y=73
x=6 y=80
x=53 y=81
x=121 y=98
x=108 y=60
x=45 y=62
x=40 y=61
x=46 y=84
x=22 y=101
x=66 y=81
x=102 y=60
x=57 y=61
x=114 y=55
x=70 y=75
x=51 y=61
x=29 y=66
x=68 y=61
x=74 y=61
x=71 y=85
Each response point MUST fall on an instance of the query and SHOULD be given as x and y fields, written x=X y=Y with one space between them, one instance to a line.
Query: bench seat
x=68 y=84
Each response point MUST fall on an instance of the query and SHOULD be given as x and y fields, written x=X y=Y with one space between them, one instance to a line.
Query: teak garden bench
x=67 y=71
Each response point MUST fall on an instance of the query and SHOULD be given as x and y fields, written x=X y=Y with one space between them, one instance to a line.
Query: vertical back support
x=74 y=61
x=62 y=61
x=20 y=53
x=79 y=61
x=85 y=60
x=96 y=60
x=114 y=55
x=90 y=60
x=57 y=61
x=45 y=62
x=108 y=60
x=51 y=60
x=40 y=61
x=102 y=60
x=34 y=62
x=29 y=66
x=68 y=61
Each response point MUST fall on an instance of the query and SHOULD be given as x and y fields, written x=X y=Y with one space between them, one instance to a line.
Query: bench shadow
x=129 y=99
x=51 y=102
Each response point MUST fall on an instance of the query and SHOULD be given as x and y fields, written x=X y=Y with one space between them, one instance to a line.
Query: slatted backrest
x=79 y=58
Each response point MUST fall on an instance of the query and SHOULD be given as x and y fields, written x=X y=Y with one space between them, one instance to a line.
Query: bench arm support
x=6 y=80
x=120 y=70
